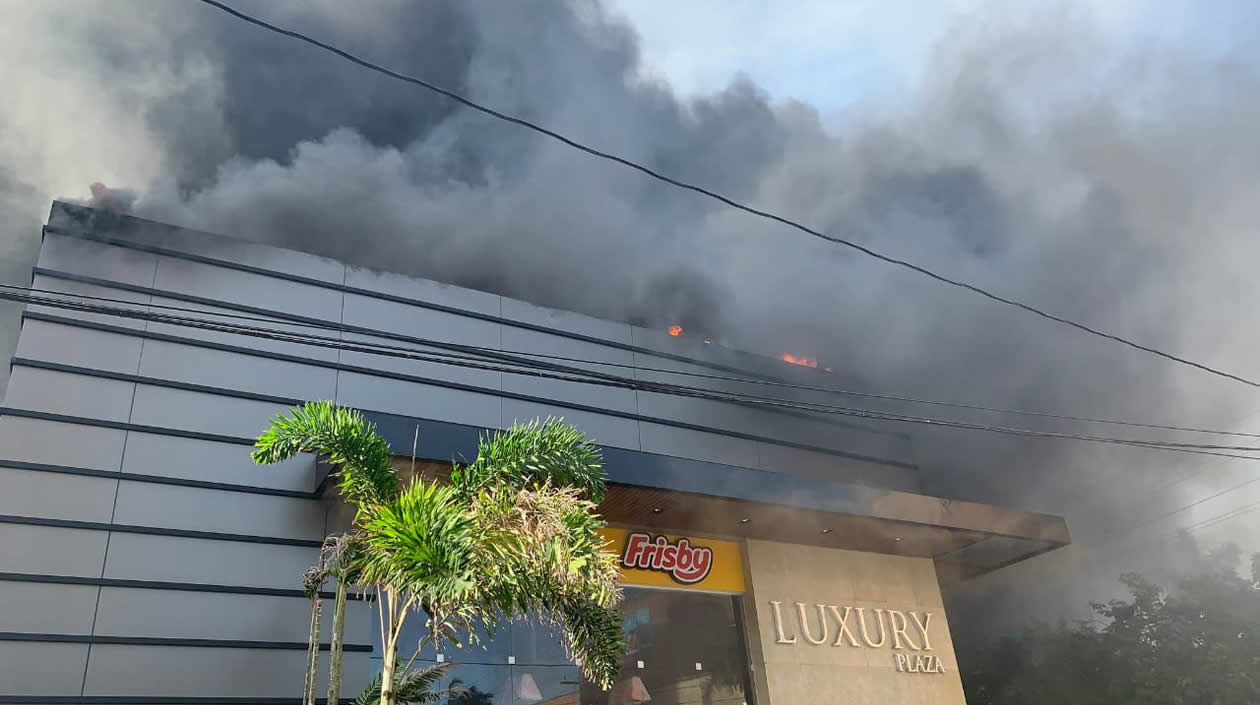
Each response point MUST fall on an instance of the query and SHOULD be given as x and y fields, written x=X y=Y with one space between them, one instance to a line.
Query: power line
x=723 y=199
x=1212 y=521
x=684 y=373
x=582 y=376
x=579 y=376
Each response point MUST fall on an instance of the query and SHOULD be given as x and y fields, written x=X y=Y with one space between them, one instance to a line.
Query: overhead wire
x=279 y=319
x=678 y=183
x=584 y=377
x=1213 y=521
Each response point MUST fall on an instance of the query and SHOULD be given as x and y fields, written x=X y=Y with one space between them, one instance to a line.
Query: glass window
x=685 y=648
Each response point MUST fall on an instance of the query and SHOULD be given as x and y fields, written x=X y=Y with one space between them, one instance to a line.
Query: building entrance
x=681 y=614
x=686 y=648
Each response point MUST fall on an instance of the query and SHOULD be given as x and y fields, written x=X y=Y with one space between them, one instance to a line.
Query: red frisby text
x=685 y=563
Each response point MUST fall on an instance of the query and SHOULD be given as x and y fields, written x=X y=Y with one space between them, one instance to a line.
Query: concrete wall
x=142 y=554
x=788 y=668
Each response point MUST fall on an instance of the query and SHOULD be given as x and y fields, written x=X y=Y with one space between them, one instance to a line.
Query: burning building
x=770 y=555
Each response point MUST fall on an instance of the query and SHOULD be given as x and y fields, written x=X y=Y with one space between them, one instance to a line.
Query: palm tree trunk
x=334 y=657
x=397 y=613
x=312 y=651
x=387 y=673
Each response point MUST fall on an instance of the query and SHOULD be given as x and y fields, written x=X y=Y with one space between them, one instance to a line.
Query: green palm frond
x=418 y=685
x=540 y=554
x=422 y=542
x=532 y=454
x=358 y=454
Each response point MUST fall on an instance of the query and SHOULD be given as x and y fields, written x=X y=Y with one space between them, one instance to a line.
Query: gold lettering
x=923 y=627
x=778 y=625
x=843 y=619
x=939 y=668
x=822 y=619
x=901 y=662
x=919 y=666
x=879 y=619
x=899 y=631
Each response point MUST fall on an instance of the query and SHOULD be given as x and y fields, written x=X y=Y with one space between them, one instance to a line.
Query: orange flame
x=675 y=331
x=799 y=360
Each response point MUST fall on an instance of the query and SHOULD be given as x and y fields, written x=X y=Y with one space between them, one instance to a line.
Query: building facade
x=770 y=556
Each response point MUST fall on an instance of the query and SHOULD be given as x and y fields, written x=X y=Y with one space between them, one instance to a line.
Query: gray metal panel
x=604 y=430
x=795 y=461
x=840 y=434
x=174 y=507
x=419 y=322
x=688 y=345
x=211 y=672
x=234 y=286
x=423 y=323
x=522 y=340
x=123 y=299
x=143 y=557
x=55 y=496
x=253 y=254
x=169 y=456
x=697 y=445
x=704 y=412
x=47 y=608
x=39 y=441
x=51 y=550
x=187 y=363
x=96 y=259
x=50 y=342
x=566 y=321
x=419 y=400
x=208 y=313
x=203 y=615
x=419 y=368
x=74 y=395
x=422 y=289
x=206 y=413
x=51 y=670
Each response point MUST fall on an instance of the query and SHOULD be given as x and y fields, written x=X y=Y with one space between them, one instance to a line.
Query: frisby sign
x=650 y=559
x=686 y=563
x=904 y=633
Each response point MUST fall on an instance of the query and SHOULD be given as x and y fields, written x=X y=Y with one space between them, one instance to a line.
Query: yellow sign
x=650 y=559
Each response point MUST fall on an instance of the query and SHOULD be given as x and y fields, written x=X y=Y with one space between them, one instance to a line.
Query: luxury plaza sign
x=908 y=632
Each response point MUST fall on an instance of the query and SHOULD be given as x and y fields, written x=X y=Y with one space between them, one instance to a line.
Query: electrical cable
x=724 y=199
x=612 y=381
x=685 y=373
x=1213 y=521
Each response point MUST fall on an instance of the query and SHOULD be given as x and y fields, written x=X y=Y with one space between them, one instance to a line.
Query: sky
x=855 y=58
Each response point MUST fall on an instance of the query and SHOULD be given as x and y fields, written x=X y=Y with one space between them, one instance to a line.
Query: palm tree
x=338 y=557
x=412 y=686
x=312 y=580
x=512 y=534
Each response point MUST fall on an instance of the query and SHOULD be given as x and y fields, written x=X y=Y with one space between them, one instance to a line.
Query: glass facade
x=686 y=648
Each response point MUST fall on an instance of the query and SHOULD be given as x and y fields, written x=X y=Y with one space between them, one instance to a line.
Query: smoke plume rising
x=1114 y=187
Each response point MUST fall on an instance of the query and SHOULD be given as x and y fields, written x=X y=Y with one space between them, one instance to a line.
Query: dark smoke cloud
x=1116 y=187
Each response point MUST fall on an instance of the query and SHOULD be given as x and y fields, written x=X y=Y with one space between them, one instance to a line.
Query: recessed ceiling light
x=897 y=538
x=826 y=531
x=745 y=520
x=657 y=510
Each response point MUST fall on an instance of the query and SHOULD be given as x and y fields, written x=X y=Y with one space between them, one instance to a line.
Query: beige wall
x=790 y=674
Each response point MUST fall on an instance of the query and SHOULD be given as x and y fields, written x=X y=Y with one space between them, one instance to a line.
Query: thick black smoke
x=1112 y=187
